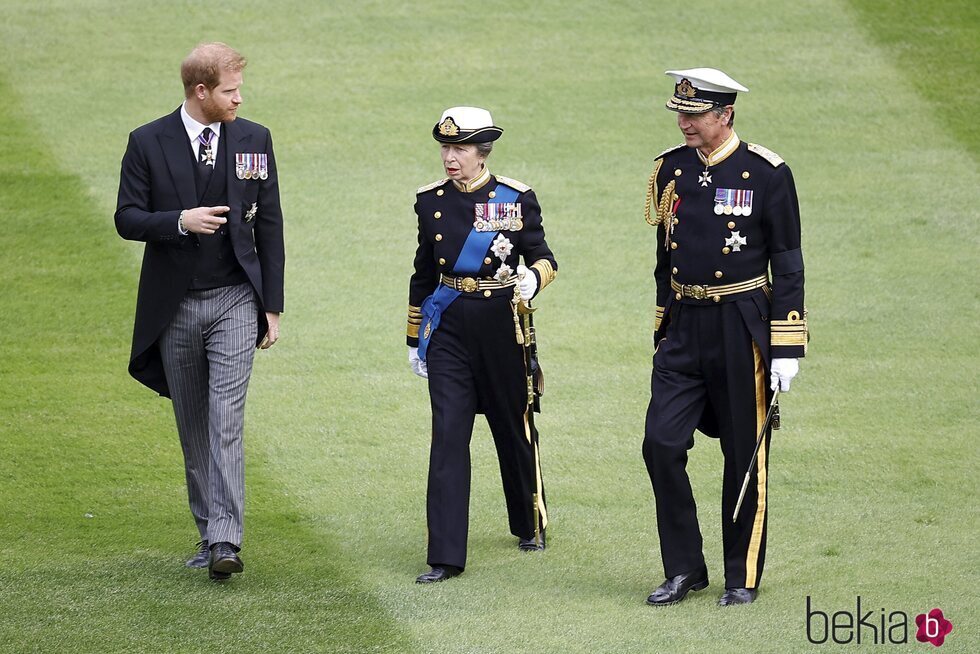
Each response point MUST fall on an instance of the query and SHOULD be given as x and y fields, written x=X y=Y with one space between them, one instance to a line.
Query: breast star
x=735 y=242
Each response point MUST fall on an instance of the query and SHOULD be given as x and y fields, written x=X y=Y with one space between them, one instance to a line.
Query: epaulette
x=520 y=187
x=766 y=154
x=431 y=186
x=669 y=150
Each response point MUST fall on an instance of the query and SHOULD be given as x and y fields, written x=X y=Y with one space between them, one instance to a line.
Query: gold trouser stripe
x=755 y=540
x=542 y=511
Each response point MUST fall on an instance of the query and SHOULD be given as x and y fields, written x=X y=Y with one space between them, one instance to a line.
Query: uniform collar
x=723 y=151
x=477 y=182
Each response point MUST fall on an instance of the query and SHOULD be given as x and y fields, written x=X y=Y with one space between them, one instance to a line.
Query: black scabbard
x=535 y=377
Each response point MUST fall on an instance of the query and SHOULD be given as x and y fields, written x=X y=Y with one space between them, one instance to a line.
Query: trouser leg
x=743 y=401
x=502 y=385
x=452 y=395
x=230 y=344
x=186 y=367
x=677 y=400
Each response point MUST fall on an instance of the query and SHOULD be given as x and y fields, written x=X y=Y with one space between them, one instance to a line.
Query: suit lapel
x=237 y=142
x=173 y=142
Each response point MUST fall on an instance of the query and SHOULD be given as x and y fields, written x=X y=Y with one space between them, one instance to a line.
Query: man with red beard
x=199 y=188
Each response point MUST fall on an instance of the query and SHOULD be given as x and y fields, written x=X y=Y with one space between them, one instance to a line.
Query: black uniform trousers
x=708 y=371
x=475 y=365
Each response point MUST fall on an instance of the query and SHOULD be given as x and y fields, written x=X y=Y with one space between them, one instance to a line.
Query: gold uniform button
x=673 y=245
x=676 y=221
x=677 y=296
x=493 y=194
x=677 y=172
x=718 y=274
x=745 y=175
x=438 y=237
x=487 y=260
x=440 y=192
x=716 y=298
x=731 y=224
x=442 y=262
x=437 y=215
x=486 y=293
x=673 y=270
x=726 y=250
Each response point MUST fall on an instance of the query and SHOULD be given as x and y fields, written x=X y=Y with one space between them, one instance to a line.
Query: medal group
x=252 y=165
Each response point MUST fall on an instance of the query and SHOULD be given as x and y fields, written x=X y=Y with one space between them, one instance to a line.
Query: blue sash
x=468 y=263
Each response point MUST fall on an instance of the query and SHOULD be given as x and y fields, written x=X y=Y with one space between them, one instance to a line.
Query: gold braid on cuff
x=792 y=332
x=546 y=272
x=414 y=321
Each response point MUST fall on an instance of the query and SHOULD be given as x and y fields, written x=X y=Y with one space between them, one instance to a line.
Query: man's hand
x=528 y=282
x=272 y=335
x=419 y=366
x=782 y=373
x=204 y=220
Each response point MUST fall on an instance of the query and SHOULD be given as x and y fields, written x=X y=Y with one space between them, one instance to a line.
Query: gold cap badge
x=685 y=89
x=449 y=127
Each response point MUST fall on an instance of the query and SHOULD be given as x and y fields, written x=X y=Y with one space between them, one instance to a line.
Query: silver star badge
x=705 y=178
x=250 y=214
x=736 y=242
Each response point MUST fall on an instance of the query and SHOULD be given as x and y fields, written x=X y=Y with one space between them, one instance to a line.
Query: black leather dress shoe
x=224 y=561
x=438 y=573
x=530 y=545
x=201 y=558
x=675 y=589
x=735 y=596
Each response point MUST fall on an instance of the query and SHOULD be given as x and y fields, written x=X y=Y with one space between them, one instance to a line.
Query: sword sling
x=773 y=409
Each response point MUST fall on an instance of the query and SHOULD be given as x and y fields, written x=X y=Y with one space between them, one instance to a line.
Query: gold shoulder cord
x=651 y=194
x=665 y=210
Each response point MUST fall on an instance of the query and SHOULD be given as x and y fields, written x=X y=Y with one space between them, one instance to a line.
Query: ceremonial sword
x=773 y=408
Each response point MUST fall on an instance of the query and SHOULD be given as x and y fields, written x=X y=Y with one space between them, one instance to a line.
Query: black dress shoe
x=675 y=589
x=224 y=561
x=438 y=573
x=531 y=545
x=735 y=596
x=201 y=558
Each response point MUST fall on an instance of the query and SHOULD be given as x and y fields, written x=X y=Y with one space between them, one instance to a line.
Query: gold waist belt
x=472 y=284
x=706 y=292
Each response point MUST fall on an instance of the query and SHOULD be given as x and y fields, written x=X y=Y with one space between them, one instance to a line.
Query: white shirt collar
x=195 y=128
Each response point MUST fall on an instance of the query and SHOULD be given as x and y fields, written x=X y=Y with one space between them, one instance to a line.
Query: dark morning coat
x=156 y=183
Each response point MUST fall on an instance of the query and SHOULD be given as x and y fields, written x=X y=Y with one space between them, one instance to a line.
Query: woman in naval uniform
x=464 y=333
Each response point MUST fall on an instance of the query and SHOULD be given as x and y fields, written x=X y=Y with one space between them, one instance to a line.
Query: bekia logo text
x=878 y=627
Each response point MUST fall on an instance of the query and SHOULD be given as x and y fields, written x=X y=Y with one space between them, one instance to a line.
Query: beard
x=215 y=113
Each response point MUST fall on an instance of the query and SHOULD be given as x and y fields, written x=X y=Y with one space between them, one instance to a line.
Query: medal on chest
x=498 y=217
x=733 y=202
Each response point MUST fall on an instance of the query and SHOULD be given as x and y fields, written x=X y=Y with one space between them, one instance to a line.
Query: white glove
x=419 y=366
x=528 y=282
x=782 y=373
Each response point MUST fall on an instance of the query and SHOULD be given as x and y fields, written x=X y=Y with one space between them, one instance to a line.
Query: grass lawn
x=873 y=479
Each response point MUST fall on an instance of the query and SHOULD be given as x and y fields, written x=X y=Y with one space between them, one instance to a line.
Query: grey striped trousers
x=207 y=355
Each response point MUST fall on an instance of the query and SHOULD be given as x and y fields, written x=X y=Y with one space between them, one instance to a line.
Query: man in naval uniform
x=725 y=333
x=200 y=189
x=464 y=333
